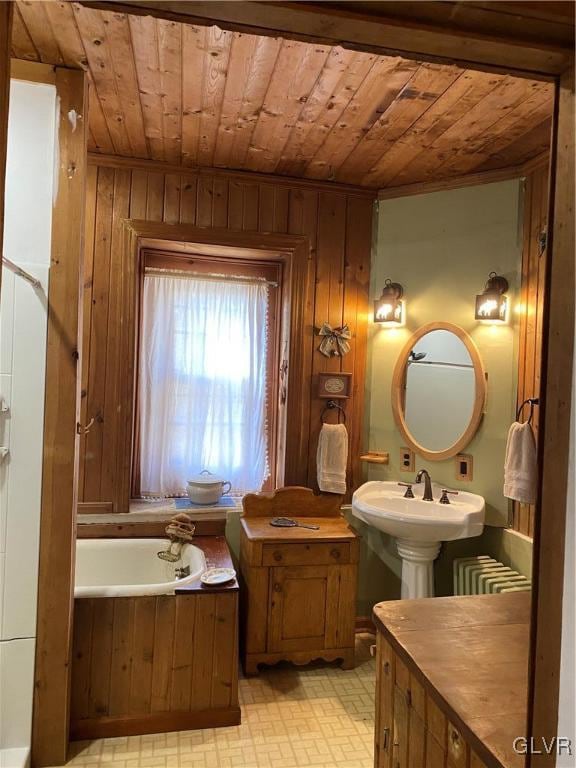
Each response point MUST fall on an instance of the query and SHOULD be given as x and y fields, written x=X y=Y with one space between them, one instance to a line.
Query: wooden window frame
x=292 y=253
x=236 y=265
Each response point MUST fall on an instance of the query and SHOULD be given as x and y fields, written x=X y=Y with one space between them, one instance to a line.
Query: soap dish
x=214 y=577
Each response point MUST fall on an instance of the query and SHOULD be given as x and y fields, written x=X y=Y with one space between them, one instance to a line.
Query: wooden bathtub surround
x=144 y=529
x=158 y=663
x=299 y=585
x=451 y=681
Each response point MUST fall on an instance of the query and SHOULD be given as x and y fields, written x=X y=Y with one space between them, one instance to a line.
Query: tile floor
x=292 y=717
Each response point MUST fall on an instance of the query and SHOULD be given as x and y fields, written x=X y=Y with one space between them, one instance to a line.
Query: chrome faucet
x=423 y=473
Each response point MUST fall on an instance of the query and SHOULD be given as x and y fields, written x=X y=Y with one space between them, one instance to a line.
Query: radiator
x=482 y=575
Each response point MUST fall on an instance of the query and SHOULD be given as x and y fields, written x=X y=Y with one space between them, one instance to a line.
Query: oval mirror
x=438 y=391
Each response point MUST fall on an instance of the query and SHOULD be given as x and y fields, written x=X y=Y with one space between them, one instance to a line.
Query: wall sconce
x=492 y=303
x=389 y=308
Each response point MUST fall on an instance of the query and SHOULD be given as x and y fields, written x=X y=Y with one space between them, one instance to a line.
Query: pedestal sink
x=419 y=526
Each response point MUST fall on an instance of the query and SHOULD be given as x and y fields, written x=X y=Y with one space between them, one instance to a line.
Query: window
x=206 y=363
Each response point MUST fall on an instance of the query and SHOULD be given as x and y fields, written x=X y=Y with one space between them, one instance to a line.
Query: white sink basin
x=382 y=504
x=419 y=526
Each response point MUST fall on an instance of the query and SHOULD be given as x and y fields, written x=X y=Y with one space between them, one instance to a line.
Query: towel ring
x=531 y=401
x=330 y=405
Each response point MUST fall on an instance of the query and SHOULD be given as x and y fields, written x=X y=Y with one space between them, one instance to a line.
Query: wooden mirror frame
x=399 y=387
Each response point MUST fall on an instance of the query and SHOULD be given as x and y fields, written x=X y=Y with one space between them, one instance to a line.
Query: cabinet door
x=401 y=730
x=383 y=733
x=303 y=608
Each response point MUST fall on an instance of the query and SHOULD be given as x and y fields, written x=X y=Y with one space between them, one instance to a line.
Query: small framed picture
x=333 y=386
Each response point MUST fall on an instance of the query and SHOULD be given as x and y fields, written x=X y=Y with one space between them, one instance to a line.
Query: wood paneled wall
x=154 y=663
x=338 y=225
x=534 y=258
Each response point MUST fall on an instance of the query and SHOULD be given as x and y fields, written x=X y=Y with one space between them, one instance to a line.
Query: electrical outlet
x=464 y=466
x=406 y=460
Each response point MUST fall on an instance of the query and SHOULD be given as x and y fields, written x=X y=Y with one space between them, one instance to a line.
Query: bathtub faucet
x=180 y=531
x=181 y=573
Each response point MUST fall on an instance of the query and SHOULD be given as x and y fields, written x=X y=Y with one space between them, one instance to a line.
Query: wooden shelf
x=375 y=457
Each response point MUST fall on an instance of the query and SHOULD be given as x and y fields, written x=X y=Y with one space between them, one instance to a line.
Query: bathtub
x=131 y=568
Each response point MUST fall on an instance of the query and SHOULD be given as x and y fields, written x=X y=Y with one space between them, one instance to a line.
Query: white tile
x=25 y=471
x=5 y=423
x=30 y=172
x=15 y=758
x=16 y=684
x=6 y=320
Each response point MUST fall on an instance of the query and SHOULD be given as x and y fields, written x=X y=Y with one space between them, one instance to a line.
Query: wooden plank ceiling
x=202 y=96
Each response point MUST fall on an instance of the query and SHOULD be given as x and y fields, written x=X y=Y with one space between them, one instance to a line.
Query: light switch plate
x=464 y=466
x=406 y=460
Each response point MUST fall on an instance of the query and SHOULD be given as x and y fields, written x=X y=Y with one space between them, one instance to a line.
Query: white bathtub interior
x=131 y=567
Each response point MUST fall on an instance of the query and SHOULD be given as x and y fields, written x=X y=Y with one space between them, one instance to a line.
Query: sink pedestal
x=417 y=567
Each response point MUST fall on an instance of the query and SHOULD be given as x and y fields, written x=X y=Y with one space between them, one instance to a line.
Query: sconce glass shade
x=492 y=303
x=389 y=308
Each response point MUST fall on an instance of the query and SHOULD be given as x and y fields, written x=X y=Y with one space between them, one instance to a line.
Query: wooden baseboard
x=158 y=722
x=365 y=624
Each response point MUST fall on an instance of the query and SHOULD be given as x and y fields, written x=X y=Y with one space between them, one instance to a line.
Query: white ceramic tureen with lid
x=206 y=488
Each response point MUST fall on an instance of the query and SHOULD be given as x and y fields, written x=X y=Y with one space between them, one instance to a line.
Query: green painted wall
x=441 y=247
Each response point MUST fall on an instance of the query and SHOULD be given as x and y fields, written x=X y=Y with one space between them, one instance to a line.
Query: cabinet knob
x=277 y=587
x=335 y=553
x=277 y=556
x=455 y=741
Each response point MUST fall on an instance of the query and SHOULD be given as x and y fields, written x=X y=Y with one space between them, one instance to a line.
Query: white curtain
x=202 y=383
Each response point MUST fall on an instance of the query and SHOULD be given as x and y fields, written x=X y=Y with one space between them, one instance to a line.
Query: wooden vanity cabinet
x=411 y=731
x=298 y=586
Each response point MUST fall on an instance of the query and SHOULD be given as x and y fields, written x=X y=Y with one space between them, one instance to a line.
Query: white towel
x=332 y=457
x=521 y=464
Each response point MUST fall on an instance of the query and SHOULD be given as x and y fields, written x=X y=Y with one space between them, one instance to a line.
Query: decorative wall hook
x=81 y=430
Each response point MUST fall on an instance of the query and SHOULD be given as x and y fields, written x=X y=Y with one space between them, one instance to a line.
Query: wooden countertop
x=471 y=654
x=217 y=554
x=330 y=529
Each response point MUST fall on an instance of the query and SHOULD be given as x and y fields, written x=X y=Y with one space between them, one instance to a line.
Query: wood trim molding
x=134 y=163
x=32 y=71
x=467 y=180
x=159 y=722
x=5 y=37
x=398 y=387
x=60 y=456
x=154 y=529
x=554 y=442
x=540 y=161
x=458 y=182
x=385 y=30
